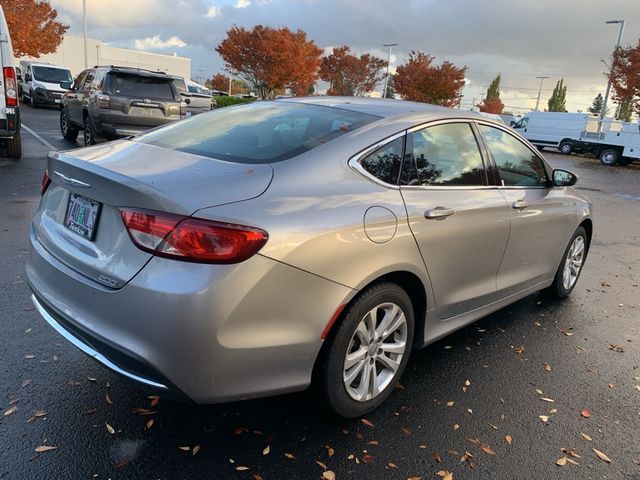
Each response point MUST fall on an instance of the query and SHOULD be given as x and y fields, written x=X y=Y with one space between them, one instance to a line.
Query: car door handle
x=438 y=213
x=520 y=204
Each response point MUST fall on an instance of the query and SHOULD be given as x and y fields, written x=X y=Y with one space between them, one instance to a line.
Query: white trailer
x=612 y=141
x=554 y=129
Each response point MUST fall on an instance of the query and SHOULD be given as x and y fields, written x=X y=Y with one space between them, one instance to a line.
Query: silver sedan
x=256 y=249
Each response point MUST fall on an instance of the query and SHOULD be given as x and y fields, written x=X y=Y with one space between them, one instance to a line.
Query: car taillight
x=46 y=181
x=10 y=87
x=103 y=100
x=192 y=239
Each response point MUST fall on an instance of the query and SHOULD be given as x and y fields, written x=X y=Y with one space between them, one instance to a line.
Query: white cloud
x=242 y=3
x=214 y=12
x=155 y=42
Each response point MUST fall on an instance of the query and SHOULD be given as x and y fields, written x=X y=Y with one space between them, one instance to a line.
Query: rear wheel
x=368 y=352
x=14 y=147
x=566 y=147
x=69 y=131
x=570 y=266
x=89 y=134
x=609 y=157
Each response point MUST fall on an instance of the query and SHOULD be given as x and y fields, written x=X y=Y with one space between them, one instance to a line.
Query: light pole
x=603 y=112
x=539 y=92
x=84 y=33
x=386 y=78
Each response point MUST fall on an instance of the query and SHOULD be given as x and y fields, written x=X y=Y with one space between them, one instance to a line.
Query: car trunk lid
x=130 y=174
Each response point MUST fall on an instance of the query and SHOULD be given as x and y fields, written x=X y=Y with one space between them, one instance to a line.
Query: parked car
x=41 y=83
x=197 y=98
x=19 y=80
x=113 y=102
x=9 y=108
x=559 y=130
x=257 y=248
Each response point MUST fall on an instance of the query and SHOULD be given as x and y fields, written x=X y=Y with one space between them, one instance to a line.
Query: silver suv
x=113 y=102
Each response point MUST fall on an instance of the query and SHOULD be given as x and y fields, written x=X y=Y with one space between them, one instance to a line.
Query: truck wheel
x=566 y=147
x=609 y=157
x=69 y=131
x=14 y=147
x=89 y=134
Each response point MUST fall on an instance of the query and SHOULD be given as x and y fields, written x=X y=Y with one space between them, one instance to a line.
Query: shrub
x=225 y=101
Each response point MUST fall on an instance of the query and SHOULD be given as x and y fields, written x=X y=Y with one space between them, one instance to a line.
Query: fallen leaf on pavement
x=616 y=348
x=520 y=349
x=561 y=461
x=110 y=429
x=571 y=452
x=487 y=449
x=508 y=439
x=45 y=448
x=195 y=450
x=329 y=475
x=289 y=456
x=373 y=442
x=240 y=468
x=108 y=399
x=150 y=424
x=601 y=455
x=367 y=422
x=186 y=449
x=586 y=437
x=367 y=458
x=546 y=366
x=585 y=413
x=436 y=457
x=548 y=400
x=266 y=450
x=544 y=418
x=445 y=475
x=11 y=411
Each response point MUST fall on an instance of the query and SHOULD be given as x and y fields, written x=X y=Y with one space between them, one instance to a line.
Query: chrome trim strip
x=72 y=182
x=88 y=350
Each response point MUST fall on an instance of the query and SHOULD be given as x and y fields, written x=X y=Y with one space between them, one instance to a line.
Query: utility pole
x=386 y=78
x=84 y=33
x=230 y=82
x=606 y=95
x=542 y=79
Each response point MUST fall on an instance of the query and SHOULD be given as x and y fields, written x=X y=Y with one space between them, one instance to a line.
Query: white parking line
x=38 y=137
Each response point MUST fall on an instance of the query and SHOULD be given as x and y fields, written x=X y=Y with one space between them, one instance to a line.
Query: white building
x=70 y=54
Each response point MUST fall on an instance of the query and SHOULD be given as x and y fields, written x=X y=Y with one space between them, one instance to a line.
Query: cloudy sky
x=521 y=39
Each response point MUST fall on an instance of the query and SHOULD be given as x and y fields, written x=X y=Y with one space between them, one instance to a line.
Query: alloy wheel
x=573 y=263
x=375 y=352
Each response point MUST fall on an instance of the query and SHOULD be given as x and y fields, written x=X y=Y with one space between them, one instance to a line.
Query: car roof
x=384 y=107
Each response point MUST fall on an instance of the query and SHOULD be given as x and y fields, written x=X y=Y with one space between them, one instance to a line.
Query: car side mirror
x=27 y=77
x=65 y=85
x=187 y=101
x=563 y=178
x=512 y=123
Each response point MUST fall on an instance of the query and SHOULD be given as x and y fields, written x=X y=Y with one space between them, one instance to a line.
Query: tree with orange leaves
x=219 y=82
x=419 y=80
x=270 y=59
x=625 y=76
x=492 y=103
x=33 y=27
x=350 y=75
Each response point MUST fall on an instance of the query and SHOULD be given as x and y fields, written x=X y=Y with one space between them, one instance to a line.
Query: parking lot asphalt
x=508 y=397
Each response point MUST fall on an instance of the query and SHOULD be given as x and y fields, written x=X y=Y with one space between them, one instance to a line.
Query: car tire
x=88 y=134
x=69 y=131
x=351 y=391
x=609 y=157
x=566 y=147
x=14 y=147
x=571 y=265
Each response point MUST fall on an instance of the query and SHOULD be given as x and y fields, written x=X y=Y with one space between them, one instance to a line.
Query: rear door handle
x=520 y=204
x=438 y=213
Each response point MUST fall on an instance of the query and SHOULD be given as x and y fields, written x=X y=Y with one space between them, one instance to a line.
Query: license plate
x=82 y=216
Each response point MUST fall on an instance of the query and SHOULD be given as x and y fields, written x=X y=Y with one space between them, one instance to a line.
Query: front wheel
x=609 y=157
x=571 y=265
x=566 y=147
x=68 y=130
x=368 y=352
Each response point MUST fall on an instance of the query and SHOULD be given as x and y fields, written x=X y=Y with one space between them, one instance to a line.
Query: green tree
x=596 y=106
x=391 y=92
x=624 y=110
x=558 y=100
x=492 y=103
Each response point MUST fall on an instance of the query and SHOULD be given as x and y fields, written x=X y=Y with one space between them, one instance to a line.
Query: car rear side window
x=446 y=154
x=517 y=164
x=140 y=86
x=384 y=163
x=263 y=132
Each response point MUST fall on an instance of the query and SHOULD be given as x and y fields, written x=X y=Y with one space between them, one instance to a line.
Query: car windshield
x=52 y=74
x=180 y=85
x=264 y=132
x=142 y=86
x=200 y=90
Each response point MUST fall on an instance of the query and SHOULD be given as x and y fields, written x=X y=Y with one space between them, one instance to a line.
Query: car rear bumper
x=209 y=333
x=10 y=125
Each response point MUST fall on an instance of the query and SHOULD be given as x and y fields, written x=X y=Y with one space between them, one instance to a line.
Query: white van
x=554 y=129
x=9 y=110
x=41 y=83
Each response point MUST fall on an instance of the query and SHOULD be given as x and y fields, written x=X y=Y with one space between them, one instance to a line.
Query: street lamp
x=84 y=33
x=386 y=78
x=606 y=95
x=539 y=92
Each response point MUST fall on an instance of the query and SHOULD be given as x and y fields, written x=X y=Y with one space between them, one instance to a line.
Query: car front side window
x=517 y=164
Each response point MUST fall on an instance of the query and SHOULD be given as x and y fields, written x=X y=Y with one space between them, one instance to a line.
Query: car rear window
x=263 y=132
x=141 y=87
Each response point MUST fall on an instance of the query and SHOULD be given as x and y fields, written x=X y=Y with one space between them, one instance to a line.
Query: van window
x=522 y=123
x=51 y=74
x=264 y=132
